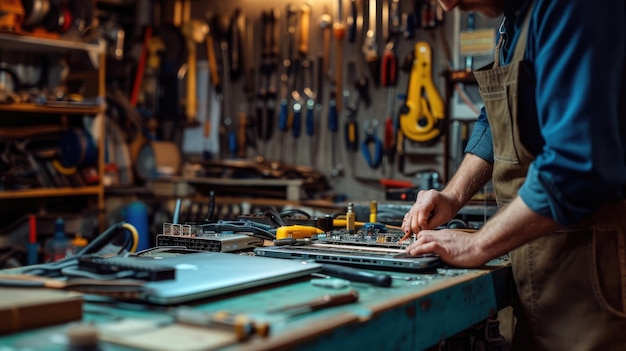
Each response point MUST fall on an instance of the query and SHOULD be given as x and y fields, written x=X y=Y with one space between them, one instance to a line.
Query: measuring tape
x=421 y=118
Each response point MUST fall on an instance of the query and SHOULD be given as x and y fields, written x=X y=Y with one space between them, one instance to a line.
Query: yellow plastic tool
x=421 y=119
x=297 y=232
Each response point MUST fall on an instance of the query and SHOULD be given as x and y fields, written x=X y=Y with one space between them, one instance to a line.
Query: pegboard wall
x=320 y=151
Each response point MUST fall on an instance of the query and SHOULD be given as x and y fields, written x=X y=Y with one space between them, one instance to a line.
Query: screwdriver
x=283 y=121
x=333 y=126
x=310 y=129
x=322 y=302
x=389 y=78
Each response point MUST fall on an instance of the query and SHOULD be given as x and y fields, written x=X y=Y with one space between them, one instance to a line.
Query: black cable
x=239 y=226
x=275 y=216
x=54 y=269
x=291 y=212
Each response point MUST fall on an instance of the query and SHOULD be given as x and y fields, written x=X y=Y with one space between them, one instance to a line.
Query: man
x=552 y=139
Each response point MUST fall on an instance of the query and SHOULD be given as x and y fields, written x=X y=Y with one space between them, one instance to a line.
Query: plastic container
x=59 y=246
x=78 y=243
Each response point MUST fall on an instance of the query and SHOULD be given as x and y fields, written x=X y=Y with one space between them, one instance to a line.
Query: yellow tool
x=421 y=119
x=297 y=232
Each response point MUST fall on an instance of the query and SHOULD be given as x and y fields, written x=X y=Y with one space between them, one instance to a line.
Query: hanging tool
x=309 y=106
x=302 y=93
x=134 y=98
x=212 y=58
x=352 y=22
x=339 y=29
x=194 y=32
x=303 y=37
x=371 y=142
x=249 y=85
x=422 y=116
x=333 y=127
x=326 y=24
x=150 y=84
x=235 y=33
x=388 y=78
x=351 y=129
x=370 y=45
x=266 y=97
x=228 y=135
x=288 y=79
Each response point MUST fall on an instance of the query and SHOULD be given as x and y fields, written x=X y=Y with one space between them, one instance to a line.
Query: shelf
x=37 y=44
x=50 y=192
x=69 y=108
x=46 y=45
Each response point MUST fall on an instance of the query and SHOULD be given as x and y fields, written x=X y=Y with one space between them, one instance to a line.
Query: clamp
x=422 y=116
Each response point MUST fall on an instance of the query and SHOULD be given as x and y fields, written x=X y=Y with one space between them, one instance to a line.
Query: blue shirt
x=577 y=100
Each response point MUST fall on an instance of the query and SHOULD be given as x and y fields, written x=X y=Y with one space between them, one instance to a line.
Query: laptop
x=358 y=256
x=206 y=274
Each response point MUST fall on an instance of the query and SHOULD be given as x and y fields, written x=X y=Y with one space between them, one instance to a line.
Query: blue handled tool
x=372 y=141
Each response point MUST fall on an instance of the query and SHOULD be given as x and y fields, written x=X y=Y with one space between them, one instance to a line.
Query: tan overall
x=570 y=284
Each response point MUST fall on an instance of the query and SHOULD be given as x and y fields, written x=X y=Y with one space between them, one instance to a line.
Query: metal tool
x=325 y=301
x=388 y=78
x=228 y=135
x=242 y=325
x=339 y=29
x=356 y=275
x=236 y=32
x=266 y=97
x=351 y=129
x=370 y=45
x=333 y=127
x=326 y=23
x=352 y=22
x=194 y=32
x=371 y=142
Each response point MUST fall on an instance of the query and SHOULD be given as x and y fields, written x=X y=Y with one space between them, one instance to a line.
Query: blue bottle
x=59 y=246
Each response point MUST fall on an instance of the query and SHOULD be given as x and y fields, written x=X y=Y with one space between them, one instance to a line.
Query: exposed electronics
x=358 y=256
x=193 y=237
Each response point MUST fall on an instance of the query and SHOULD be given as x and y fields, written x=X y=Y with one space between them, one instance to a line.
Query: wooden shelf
x=61 y=108
x=37 y=44
x=15 y=117
x=50 y=192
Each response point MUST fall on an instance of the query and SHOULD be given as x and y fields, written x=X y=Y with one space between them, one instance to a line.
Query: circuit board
x=366 y=235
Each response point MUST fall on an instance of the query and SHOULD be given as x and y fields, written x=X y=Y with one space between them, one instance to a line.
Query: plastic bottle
x=59 y=246
x=78 y=243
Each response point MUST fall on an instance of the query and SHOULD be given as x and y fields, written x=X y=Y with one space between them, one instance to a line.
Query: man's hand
x=511 y=227
x=459 y=249
x=431 y=209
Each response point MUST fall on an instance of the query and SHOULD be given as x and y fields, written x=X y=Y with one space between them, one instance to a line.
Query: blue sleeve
x=480 y=142
x=577 y=47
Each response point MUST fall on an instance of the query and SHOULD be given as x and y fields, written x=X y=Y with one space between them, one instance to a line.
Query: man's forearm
x=512 y=226
x=473 y=174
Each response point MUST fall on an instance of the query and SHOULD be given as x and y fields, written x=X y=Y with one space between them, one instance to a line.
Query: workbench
x=415 y=313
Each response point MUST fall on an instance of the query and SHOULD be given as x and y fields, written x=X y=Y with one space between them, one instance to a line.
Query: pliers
x=371 y=140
